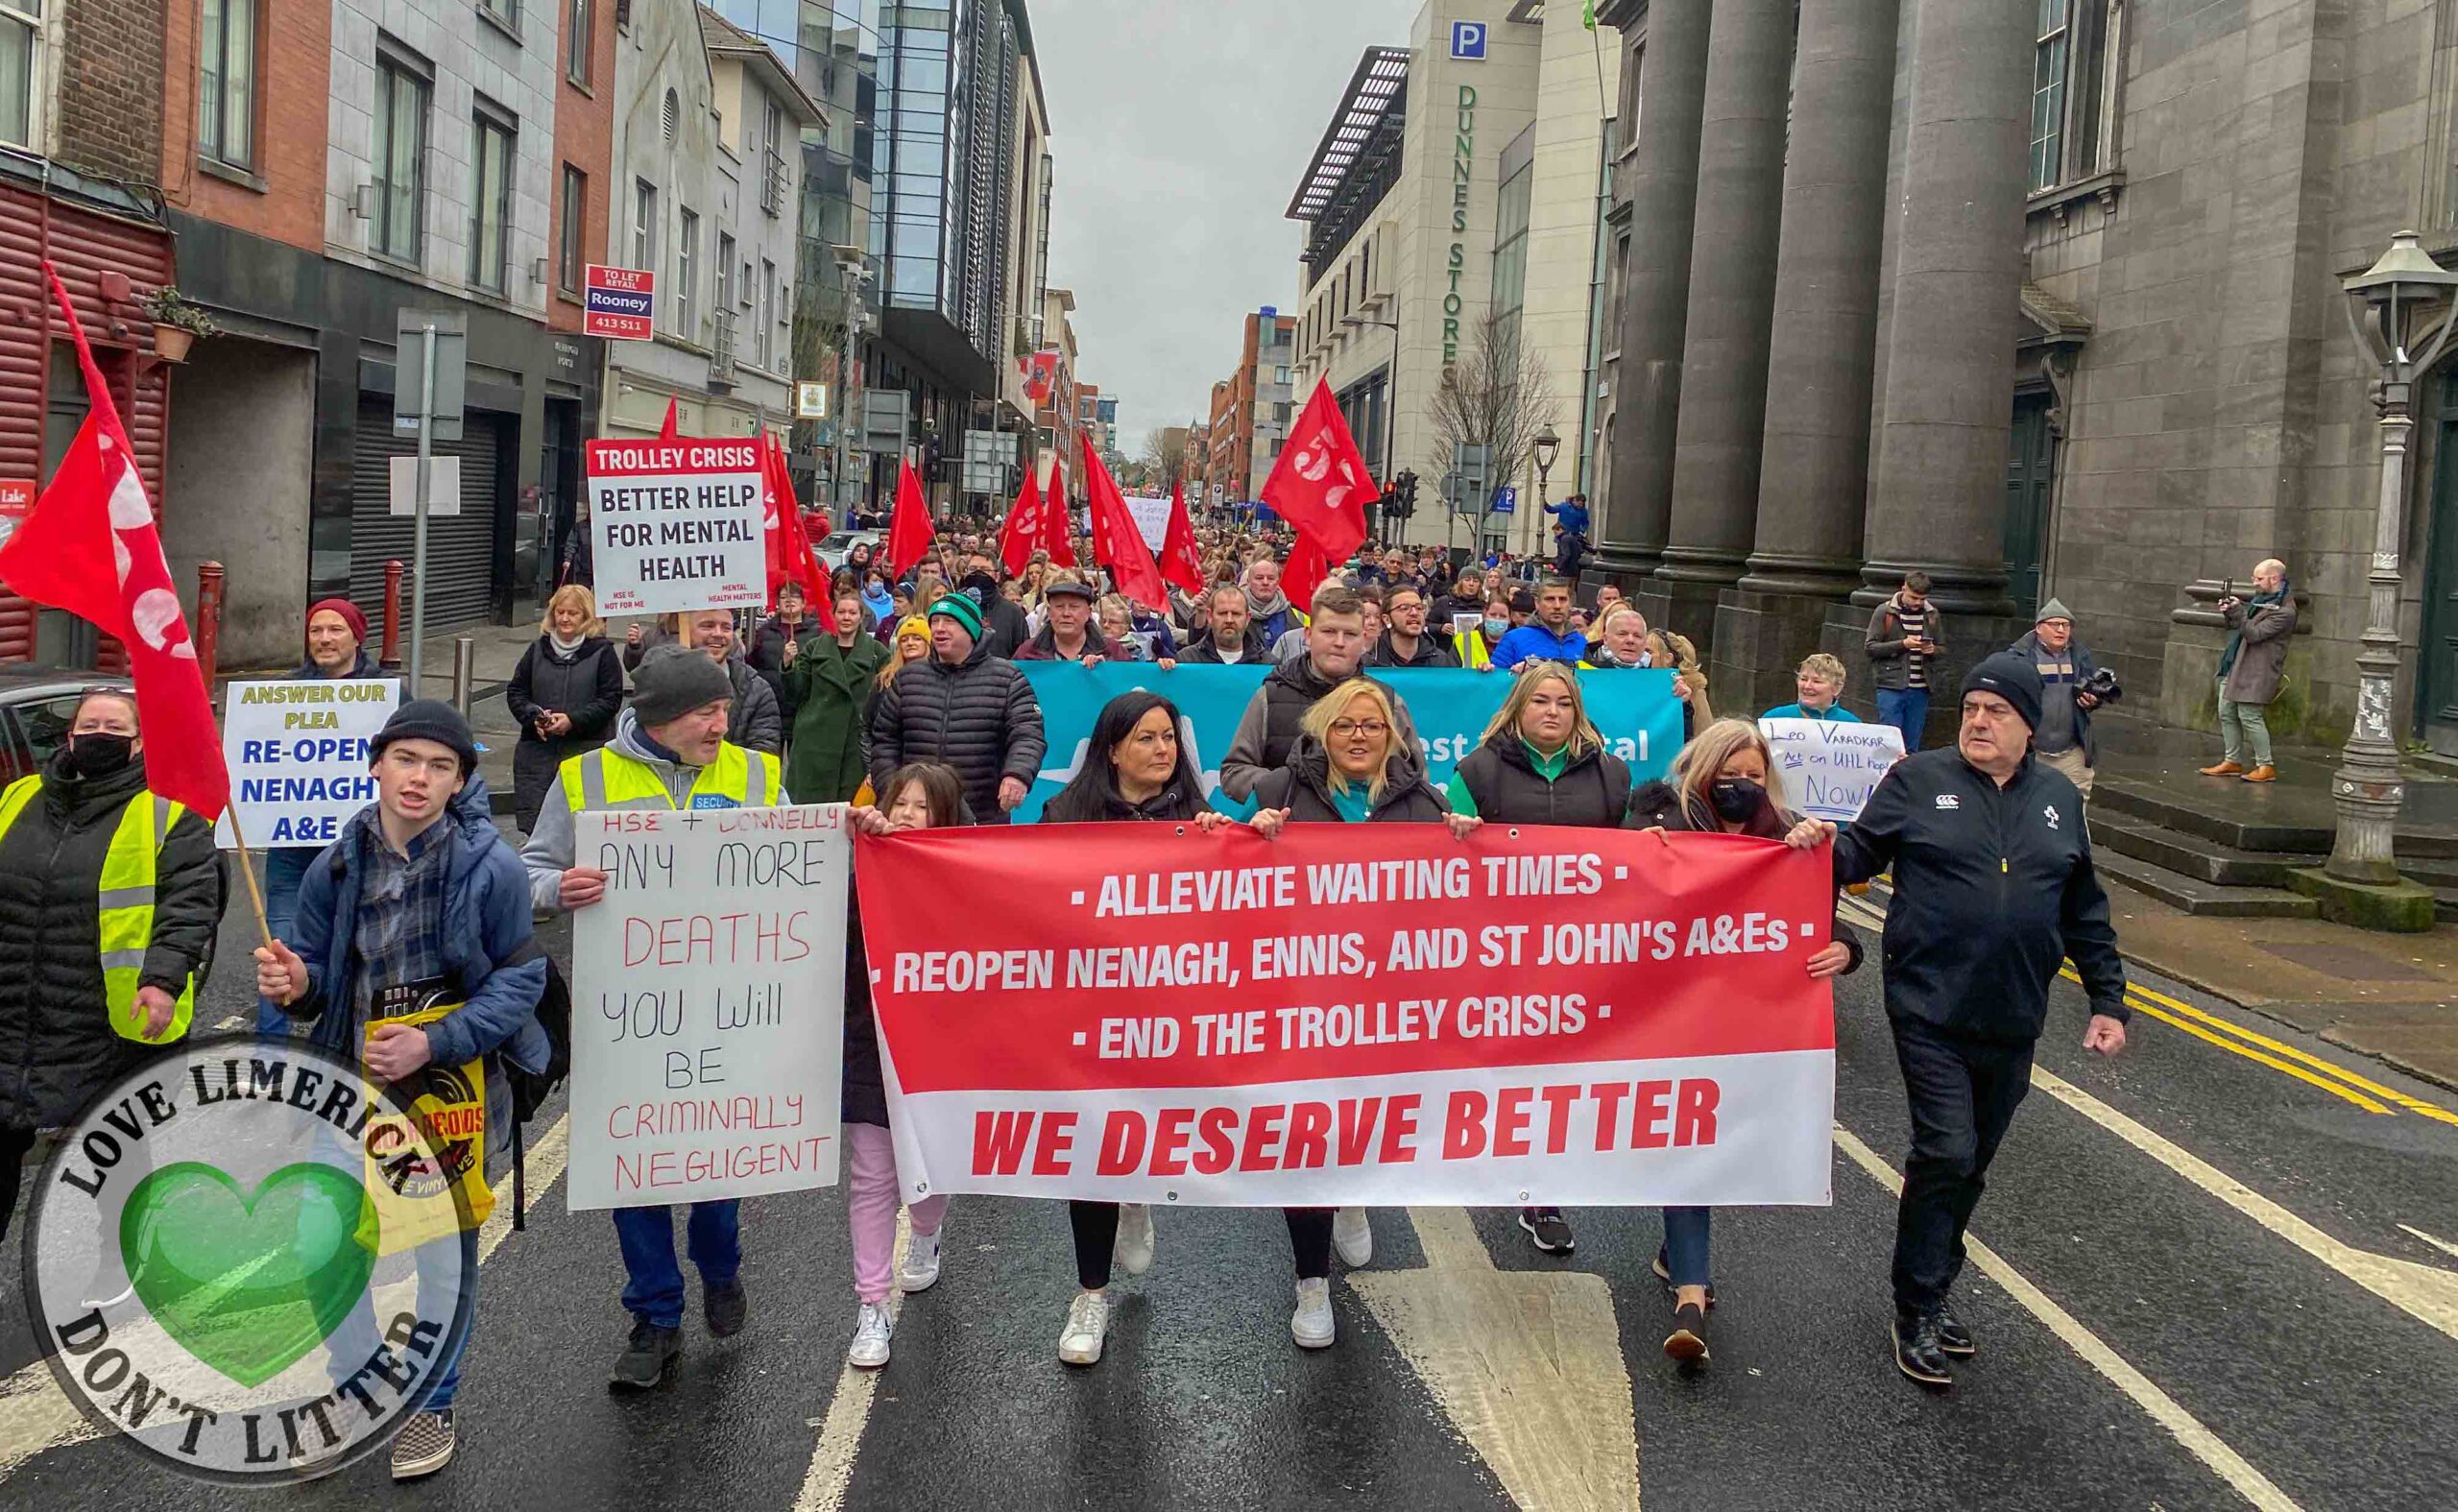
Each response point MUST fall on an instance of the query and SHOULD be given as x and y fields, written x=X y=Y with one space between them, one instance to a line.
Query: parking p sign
x=1468 y=41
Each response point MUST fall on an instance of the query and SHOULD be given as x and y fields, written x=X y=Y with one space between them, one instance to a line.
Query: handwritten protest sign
x=298 y=754
x=708 y=1004
x=679 y=525
x=1152 y=519
x=1359 y=1014
x=1829 y=767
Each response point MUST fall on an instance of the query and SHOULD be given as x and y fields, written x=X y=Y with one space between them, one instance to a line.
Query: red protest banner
x=1355 y=1015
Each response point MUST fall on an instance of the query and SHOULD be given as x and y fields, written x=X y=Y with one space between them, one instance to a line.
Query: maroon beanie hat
x=349 y=611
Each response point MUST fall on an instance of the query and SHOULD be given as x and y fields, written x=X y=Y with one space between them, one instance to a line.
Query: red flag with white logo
x=1181 y=565
x=1022 y=531
x=789 y=558
x=90 y=547
x=1057 y=518
x=1117 y=544
x=1320 y=484
x=909 y=533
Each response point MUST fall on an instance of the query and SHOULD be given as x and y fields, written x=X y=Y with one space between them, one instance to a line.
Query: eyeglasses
x=1368 y=728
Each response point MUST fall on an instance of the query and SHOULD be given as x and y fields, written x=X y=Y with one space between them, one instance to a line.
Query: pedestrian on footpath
x=752 y=719
x=1993 y=888
x=564 y=693
x=1349 y=766
x=1903 y=644
x=2070 y=687
x=1548 y=637
x=1542 y=761
x=1268 y=731
x=412 y=949
x=2252 y=670
x=923 y=796
x=966 y=708
x=669 y=750
x=830 y=679
x=1134 y=770
x=336 y=648
x=1723 y=782
x=1818 y=686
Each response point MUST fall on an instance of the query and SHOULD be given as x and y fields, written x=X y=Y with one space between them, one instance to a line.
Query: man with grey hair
x=2251 y=671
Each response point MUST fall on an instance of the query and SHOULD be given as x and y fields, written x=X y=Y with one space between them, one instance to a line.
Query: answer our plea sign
x=678 y=523
x=298 y=753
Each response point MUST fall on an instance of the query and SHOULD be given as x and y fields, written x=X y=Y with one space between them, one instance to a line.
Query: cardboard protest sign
x=679 y=525
x=1354 y=1013
x=297 y=754
x=1152 y=519
x=1829 y=767
x=708 y=1004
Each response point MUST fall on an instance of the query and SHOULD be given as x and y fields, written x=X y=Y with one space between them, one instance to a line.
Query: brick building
x=1252 y=407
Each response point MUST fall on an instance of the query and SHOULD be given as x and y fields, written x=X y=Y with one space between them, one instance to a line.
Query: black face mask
x=98 y=755
x=1735 y=797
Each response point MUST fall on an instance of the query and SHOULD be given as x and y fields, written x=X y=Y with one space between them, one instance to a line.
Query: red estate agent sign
x=17 y=502
x=618 y=303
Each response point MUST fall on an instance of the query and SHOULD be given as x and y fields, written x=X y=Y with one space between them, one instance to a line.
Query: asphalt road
x=2219 y=1287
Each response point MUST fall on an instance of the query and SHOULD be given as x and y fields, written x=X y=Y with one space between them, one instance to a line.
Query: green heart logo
x=247 y=1282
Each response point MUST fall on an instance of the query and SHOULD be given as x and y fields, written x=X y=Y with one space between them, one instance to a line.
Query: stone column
x=1813 y=466
x=1732 y=306
x=1655 y=290
x=1939 y=496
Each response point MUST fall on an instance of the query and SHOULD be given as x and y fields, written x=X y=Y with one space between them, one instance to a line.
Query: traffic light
x=1402 y=503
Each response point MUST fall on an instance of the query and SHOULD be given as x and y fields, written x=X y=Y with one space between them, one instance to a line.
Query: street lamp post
x=2387 y=307
x=1547 y=447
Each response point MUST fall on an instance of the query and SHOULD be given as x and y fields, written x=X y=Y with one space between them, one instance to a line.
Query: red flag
x=1320 y=484
x=1024 y=528
x=90 y=547
x=1303 y=572
x=910 y=531
x=1181 y=564
x=789 y=558
x=1057 y=518
x=1118 y=544
x=668 y=431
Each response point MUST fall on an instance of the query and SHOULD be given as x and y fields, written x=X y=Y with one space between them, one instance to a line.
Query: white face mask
x=1647 y=658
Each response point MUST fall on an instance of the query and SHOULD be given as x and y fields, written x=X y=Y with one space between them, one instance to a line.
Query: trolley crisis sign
x=679 y=525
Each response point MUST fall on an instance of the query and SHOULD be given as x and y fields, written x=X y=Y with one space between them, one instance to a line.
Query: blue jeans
x=357 y=1336
x=284 y=870
x=1685 y=1245
x=1906 y=709
x=654 y=1291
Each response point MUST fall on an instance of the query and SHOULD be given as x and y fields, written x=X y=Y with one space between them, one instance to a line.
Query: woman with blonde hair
x=912 y=644
x=1723 y=782
x=566 y=693
x=1665 y=649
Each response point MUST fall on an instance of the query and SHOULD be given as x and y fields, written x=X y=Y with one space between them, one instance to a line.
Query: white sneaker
x=1352 y=1237
x=1133 y=1250
x=1088 y=1323
x=920 y=1263
x=872 y=1329
x=1311 y=1324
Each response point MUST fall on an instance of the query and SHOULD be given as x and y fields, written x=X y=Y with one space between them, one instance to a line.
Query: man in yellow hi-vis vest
x=108 y=901
x=669 y=750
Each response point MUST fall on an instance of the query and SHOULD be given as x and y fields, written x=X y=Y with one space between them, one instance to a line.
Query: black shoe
x=725 y=1307
x=1663 y=1269
x=649 y=1359
x=1687 y=1344
x=1953 y=1337
x=1546 y=1228
x=1916 y=1351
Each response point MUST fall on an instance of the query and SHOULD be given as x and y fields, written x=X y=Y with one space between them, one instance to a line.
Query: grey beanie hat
x=2053 y=609
x=673 y=680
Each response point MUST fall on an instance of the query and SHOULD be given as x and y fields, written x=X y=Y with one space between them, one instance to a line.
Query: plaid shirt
x=400 y=913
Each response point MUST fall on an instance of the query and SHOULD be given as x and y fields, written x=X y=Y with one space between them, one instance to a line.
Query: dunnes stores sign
x=1464 y=154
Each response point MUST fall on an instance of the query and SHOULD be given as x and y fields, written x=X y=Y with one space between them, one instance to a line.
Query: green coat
x=831 y=689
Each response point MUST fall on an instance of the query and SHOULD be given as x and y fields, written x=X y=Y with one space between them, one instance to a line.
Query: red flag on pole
x=1022 y=531
x=90 y=547
x=1320 y=484
x=1303 y=572
x=1057 y=518
x=1181 y=565
x=1118 y=544
x=789 y=558
x=910 y=532
x=670 y=430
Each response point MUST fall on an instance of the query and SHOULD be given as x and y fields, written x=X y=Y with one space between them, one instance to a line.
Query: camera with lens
x=2101 y=686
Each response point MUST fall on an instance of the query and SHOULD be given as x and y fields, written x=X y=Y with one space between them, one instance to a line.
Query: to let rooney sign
x=618 y=303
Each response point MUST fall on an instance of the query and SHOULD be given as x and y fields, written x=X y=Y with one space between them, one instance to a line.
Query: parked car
x=833 y=551
x=35 y=707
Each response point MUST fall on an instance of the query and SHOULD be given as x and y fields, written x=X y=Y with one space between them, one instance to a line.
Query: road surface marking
x=2425 y=1292
x=35 y=1418
x=2205 y=1445
x=2443 y=1245
x=849 y=1410
x=2416 y=1105
x=1527 y=1364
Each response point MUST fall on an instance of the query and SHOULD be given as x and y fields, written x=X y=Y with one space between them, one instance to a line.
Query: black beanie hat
x=427 y=719
x=2011 y=677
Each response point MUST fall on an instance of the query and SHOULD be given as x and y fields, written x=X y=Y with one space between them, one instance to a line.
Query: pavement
x=2200 y=1280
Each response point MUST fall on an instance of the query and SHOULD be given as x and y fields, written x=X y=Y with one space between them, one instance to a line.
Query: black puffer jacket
x=1594 y=790
x=980 y=718
x=1304 y=788
x=1657 y=804
x=56 y=1045
x=588 y=685
x=1257 y=653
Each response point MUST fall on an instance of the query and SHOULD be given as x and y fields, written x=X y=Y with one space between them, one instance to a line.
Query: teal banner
x=1635 y=711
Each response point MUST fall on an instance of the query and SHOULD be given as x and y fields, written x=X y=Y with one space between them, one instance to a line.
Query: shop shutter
x=460 y=549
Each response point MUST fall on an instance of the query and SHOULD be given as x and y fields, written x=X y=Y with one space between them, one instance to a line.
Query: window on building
x=2073 y=91
x=508 y=12
x=1280 y=375
x=580 y=39
x=21 y=65
x=1626 y=111
x=687 y=274
x=644 y=226
x=571 y=251
x=403 y=90
x=1510 y=252
x=772 y=157
x=767 y=340
x=491 y=139
x=726 y=289
x=225 y=81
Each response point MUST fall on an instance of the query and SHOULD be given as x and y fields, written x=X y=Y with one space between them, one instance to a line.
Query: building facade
x=1251 y=409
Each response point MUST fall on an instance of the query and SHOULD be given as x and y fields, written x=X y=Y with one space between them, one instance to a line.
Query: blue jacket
x=1574 y=517
x=1836 y=713
x=486 y=906
x=1533 y=642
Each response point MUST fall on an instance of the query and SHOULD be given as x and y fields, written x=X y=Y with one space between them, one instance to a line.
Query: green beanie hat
x=962 y=609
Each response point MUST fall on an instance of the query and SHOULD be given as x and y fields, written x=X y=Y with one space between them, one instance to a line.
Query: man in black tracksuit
x=1994 y=886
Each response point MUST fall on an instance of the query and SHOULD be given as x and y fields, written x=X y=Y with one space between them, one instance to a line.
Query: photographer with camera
x=2071 y=685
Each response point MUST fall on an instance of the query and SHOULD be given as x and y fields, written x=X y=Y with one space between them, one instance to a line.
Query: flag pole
x=247 y=872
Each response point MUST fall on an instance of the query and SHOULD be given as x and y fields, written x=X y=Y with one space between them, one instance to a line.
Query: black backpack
x=530 y=1089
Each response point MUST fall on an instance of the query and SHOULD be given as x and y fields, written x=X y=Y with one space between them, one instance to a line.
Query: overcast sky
x=1179 y=128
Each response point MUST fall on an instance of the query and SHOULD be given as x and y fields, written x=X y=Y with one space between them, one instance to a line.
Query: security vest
x=1470 y=646
x=125 y=900
x=607 y=778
